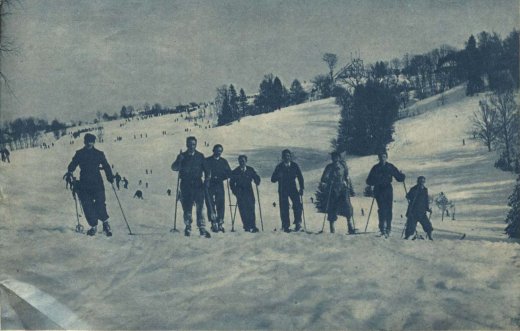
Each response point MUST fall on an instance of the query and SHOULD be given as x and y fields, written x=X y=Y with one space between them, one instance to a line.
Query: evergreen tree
x=242 y=103
x=233 y=102
x=511 y=55
x=513 y=216
x=367 y=119
x=225 y=114
x=277 y=94
x=263 y=102
x=473 y=67
x=297 y=94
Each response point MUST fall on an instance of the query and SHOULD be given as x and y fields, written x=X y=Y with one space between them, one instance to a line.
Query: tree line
x=26 y=132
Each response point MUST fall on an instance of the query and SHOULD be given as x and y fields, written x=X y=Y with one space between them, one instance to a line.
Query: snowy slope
x=271 y=280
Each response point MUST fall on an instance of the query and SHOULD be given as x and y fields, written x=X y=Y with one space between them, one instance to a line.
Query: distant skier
x=91 y=190
x=125 y=182
x=5 y=155
x=241 y=178
x=286 y=174
x=169 y=192
x=138 y=194
x=218 y=170
x=192 y=166
x=380 y=177
x=335 y=180
x=418 y=205
x=118 y=179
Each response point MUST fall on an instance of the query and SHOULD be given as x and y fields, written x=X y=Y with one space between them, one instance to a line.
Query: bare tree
x=484 y=123
x=331 y=60
x=506 y=122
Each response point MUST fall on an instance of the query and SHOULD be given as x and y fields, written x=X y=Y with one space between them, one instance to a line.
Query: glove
x=301 y=191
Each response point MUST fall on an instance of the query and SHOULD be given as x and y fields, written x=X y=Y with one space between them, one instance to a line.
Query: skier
x=91 y=191
x=418 y=205
x=125 y=182
x=285 y=174
x=169 y=192
x=138 y=194
x=219 y=171
x=5 y=155
x=336 y=181
x=380 y=177
x=241 y=178
x=118 y=179
x=191 y=166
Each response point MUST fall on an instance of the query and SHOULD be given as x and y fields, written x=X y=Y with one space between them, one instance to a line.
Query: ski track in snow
x=270 y=280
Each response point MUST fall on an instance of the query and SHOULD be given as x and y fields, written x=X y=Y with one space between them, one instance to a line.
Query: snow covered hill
x=270 y=280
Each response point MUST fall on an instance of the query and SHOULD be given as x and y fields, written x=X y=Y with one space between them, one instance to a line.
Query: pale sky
x=77 y=57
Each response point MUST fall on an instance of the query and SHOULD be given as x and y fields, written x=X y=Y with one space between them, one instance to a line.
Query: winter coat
x=418 y=201
x=191 y=167
x=337 y=176
x=241 y=181
x=89 y=161
x=286 y=177
x=380 y=176
x=218 y=170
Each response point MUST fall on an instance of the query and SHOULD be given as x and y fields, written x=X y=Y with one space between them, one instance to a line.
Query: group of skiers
x=201 y=182
x=4 y=152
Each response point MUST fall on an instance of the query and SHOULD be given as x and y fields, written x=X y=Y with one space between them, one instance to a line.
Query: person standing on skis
x=285 y=174
x=91 y=191
x=336 y=183
x=380 y=177
x=241 y=178
x=191 y=166
x=418 y=205
x=219 y=171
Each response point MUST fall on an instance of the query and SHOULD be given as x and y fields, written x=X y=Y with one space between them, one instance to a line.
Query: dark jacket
x=218 y=170
x=286 y=177
x=191 y=167
x=418 y=201
x=89 y=162
x=381 y=175
x=241 y=181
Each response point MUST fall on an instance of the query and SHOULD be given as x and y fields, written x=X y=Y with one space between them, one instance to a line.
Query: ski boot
x=286 y=230
x=297 y=227
x=254 y=230
x=214 y=227
x=187 y=232
x=92 y=231
x=351 y=229
x=204 y=233
x=221 y=228
x=106 y=229
x=429 y=236
x=332 y=229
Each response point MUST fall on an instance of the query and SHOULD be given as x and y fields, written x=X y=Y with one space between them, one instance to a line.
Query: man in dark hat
x=91 y=191
x=191 y=166
x=285 y=174
x=380 y=177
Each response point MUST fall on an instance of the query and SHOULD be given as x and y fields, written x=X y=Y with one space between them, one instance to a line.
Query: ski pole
x=234 y=217
x=122 y=212
x=229 y=198
x=326 y=208
x=303 y=214
x=176 y=202
x=369 y=212
x=259 y=207
x=79 y=227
